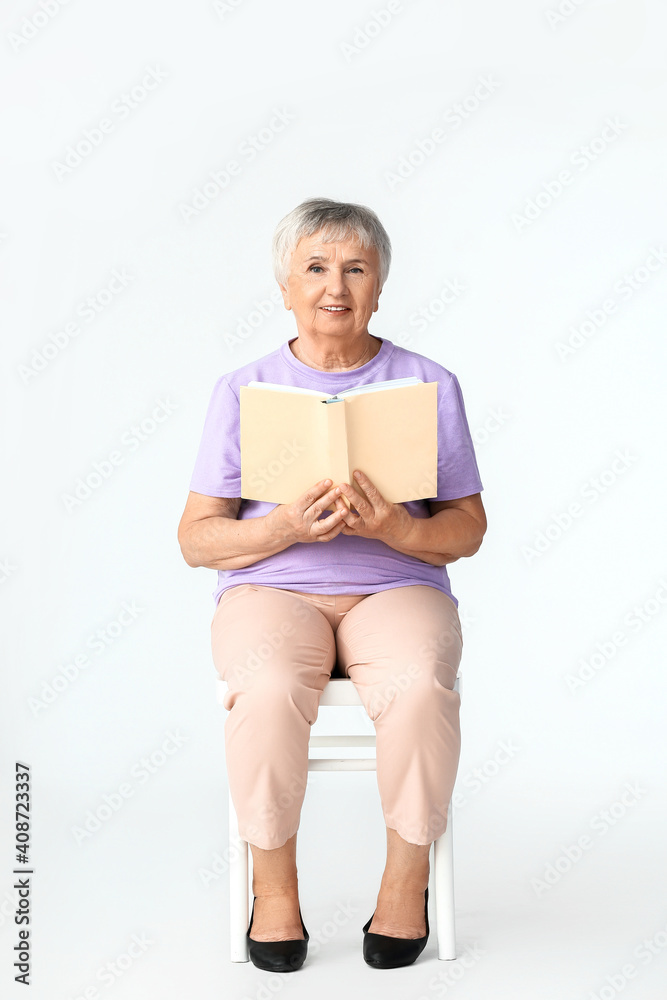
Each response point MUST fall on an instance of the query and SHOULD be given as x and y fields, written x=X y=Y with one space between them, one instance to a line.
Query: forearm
x=227 y=543
x=440 y=539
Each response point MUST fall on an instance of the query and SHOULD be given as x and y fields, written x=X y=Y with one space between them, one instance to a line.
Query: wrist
x=402 y=531
x=277 y=528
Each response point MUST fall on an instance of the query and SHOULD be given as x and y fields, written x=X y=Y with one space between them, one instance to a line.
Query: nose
x=336 y=283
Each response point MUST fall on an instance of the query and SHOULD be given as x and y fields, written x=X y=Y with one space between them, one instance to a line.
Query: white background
x=547 y=425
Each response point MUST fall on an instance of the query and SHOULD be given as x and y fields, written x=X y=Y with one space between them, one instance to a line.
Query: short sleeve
x=458 y=474
x=217 y=471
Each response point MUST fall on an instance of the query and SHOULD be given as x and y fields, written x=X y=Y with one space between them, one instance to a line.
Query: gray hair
x=337 y=220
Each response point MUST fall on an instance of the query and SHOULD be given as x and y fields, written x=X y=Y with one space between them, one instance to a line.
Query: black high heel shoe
x=384 y=952
x=277 y=956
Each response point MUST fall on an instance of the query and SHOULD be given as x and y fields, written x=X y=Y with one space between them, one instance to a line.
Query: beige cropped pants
x=277 y=649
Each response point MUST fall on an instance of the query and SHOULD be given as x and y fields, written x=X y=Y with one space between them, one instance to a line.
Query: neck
x=334 y=357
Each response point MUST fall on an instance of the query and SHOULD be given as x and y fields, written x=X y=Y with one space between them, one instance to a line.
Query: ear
x=285 y=294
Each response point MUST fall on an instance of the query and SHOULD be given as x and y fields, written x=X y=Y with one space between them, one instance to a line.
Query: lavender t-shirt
x=344 y=565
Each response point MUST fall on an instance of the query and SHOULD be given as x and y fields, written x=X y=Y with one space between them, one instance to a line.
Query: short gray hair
x=337 y=220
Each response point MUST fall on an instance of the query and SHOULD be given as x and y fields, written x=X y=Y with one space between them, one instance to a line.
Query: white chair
x=340 y=692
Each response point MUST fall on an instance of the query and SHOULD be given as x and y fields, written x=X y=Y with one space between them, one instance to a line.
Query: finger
x=308 y=498
x=327 y=538
x=369 y=488
x=350 y=519
x=326 y=502
x=355 y=498
x=332 y=501
x=328 y=535
x=328 y=522
x=341 y=505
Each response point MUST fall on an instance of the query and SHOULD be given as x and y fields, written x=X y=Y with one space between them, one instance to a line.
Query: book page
x=393 y=383
x=393 y=438
x=370 y=387
x=283 y=444
x=288 y=388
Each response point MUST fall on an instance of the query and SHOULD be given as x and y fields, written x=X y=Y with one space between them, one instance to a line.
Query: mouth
x=335 y=310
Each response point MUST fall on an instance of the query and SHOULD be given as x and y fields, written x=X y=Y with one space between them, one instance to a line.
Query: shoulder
x=264 y=369
x=405 y=362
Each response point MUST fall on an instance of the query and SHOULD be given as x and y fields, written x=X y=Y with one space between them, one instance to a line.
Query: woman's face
x=333 y=274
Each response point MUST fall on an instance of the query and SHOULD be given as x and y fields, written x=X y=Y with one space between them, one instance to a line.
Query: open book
x=291 y=438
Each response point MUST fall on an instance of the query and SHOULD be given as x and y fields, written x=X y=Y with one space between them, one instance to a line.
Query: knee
x=275 y=689
x=416 y=686
x=444 y=647
x=263 y=682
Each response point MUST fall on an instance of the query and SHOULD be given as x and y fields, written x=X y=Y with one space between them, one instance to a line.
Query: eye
x=318 y=267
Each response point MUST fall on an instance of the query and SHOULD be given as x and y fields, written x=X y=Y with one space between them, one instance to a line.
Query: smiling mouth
x=336 y=309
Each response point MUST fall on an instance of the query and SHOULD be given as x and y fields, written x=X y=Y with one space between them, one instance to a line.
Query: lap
x=416 y=624
x=256 y=624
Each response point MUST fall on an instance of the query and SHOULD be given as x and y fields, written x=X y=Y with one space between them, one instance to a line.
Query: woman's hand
x=299 y=522
x=375 y=517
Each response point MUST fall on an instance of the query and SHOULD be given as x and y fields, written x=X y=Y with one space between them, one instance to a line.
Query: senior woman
x=313 y=585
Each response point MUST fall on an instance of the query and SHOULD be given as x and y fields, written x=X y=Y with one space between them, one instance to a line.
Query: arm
x=209 y=527
x=454 y=529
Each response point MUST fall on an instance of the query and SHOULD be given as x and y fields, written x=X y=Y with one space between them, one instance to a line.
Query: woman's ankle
x=275 y=890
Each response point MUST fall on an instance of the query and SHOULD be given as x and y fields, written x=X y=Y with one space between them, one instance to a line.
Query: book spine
x=337 y=444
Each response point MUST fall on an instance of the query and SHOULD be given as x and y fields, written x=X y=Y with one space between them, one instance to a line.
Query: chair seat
x=338 y=691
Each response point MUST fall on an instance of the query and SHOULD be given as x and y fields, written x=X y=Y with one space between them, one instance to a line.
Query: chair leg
x=443 y=882
x=239 y=917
